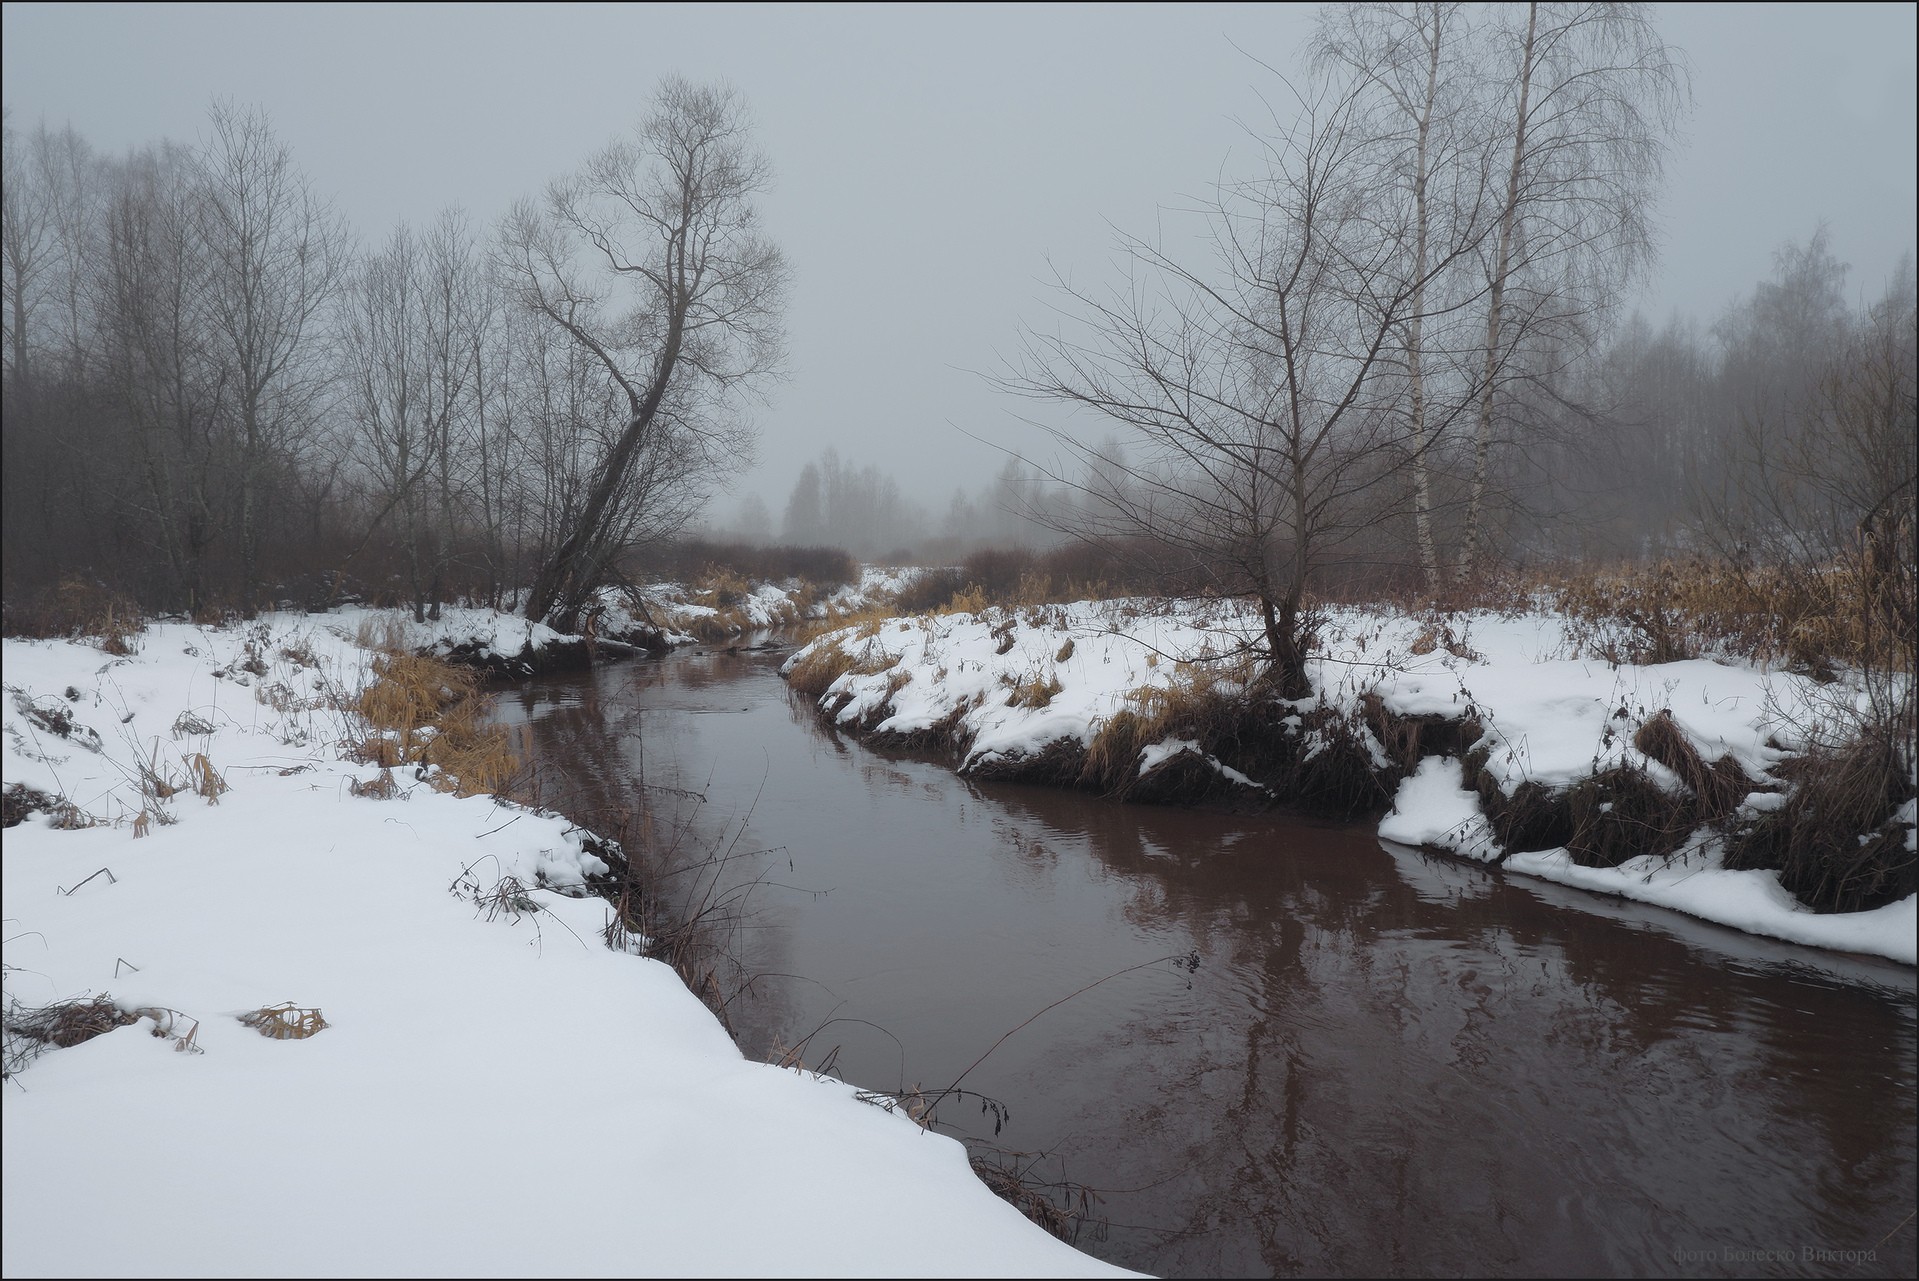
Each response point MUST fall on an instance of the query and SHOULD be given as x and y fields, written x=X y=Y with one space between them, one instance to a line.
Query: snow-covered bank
x=1039 y=693
x=732 y=607
x=495 y=1092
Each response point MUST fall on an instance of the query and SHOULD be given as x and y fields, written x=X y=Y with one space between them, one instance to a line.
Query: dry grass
x=382 y=788
x=204 y=780
x=1209 y=703
x=419 y=711
x=816 y=671
x=867 y=619
x=1034 y=689
x=29 y=1033
x=1836 y=842
x=65 y=1024
x=1717 y=788
x=285 y=1021
x=1842 y=613
x=78 y=608
x=971 y=600
x=1622 y=813
x=1062 y=1207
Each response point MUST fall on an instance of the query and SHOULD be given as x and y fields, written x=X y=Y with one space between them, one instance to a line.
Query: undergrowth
x=421 y=712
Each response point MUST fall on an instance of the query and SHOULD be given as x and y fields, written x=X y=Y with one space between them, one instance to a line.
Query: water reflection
x=1385 y=1064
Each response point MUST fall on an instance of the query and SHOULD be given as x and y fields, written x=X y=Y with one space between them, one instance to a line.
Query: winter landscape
x=828 y=688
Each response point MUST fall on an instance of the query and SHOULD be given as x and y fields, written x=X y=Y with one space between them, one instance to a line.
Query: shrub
x=78 y=607
x=930 y=591
x=1838 y=841
x=685 y=560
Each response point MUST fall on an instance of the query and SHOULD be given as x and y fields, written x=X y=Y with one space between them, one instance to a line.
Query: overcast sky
x=932 y=161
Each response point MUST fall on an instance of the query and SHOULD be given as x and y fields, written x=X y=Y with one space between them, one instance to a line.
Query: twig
x=1191 y=958
x=111 y=880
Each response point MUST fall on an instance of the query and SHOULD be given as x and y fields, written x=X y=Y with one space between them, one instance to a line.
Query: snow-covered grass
x=495 y=1092
x=724 y=605
x=1051 y=690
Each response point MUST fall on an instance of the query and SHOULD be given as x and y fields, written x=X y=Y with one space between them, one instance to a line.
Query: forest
x=1390 y=359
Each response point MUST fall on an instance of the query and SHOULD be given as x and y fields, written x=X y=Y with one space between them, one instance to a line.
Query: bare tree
x=1414 y=67
x=26 y=240
x=276 y=252
x=1587 y=98
x=650 y=260
x=1249 y=396
x=155 y=341
x=409 y=336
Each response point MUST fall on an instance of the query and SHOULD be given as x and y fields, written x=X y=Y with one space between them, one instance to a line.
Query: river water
x=1311 y=1053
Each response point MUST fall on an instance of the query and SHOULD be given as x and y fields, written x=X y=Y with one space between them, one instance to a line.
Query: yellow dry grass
x=1034 y=689
x=1847 y=612
x=816 y=671
x=419 y=711
x=204 y=779
x=285 y=1021
x=1205 y=702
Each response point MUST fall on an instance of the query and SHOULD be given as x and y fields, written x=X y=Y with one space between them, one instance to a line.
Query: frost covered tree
x=650 y=261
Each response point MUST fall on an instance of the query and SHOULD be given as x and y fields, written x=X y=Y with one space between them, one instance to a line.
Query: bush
x=931 y=590
x=74 y=608
x=1838 y=842
x=684 y=561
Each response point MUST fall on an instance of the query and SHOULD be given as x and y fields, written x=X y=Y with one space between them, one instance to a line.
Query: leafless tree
x=26 y=240
x=1586 y=99
x=410 y=339
x=276 y=252
x=155 y=342
x=1414 y=65
x=650 y=261
x=1249 y=395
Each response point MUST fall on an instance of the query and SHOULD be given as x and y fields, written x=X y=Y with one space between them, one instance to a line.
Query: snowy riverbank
x=495 y=1092
x=1036 y=693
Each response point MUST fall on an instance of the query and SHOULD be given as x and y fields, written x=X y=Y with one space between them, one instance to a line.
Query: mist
x=935 y=166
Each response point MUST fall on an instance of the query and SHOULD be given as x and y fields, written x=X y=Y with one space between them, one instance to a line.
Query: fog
x=935 y=165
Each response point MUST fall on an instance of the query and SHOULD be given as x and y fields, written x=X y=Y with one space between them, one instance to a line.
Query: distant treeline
x=214 y=399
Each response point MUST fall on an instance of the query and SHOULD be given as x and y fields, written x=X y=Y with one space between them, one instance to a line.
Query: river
x=1293 y=1049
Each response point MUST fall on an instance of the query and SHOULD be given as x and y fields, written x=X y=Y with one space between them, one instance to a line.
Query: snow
x=1550 y=715
x=496 y=1092
x=1433 y=809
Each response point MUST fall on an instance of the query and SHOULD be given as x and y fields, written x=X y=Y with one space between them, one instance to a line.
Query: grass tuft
x=285 y=1021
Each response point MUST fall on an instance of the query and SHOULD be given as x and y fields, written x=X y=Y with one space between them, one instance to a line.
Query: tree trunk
x=564 y=581
x=1482 y=436
x=1422 y=479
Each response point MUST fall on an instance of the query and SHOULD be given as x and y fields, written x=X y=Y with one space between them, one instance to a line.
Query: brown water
x=1384 y=1064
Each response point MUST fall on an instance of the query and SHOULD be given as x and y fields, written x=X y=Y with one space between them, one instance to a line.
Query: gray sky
x=932 y=160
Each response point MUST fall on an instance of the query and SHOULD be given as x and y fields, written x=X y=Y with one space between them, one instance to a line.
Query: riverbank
x=1496 y=737
x=373 y=1025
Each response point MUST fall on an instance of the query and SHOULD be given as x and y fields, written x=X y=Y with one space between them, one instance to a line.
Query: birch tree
x=1586 y=102
x=1414 y=66
x=1247 y=394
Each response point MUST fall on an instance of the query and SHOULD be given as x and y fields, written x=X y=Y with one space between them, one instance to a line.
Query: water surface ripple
x=1385 y=1064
